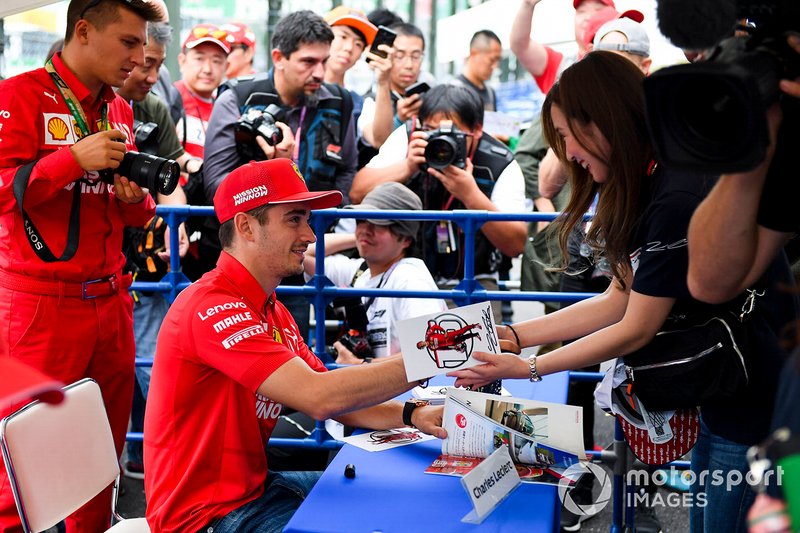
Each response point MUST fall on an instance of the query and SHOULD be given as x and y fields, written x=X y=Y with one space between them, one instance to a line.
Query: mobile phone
x=417 y=88
x=384 y=36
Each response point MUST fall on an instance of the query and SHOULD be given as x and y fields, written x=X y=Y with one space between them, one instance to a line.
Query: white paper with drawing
x=442 y=342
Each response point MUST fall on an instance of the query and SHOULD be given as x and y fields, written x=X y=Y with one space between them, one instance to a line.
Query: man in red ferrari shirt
x=64 y=305
x=230 y=356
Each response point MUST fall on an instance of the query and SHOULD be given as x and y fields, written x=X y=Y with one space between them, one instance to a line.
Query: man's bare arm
x=532 y=54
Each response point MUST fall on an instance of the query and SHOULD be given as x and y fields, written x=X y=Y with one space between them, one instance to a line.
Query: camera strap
x=23 y=175
x=35 y=239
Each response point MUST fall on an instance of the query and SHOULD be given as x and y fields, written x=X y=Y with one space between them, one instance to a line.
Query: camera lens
x=154 y=173
x=440 y=152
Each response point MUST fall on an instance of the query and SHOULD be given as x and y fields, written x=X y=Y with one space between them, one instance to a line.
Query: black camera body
x=355 y=341
x=148 y=171
x=145 y=135
x=353 y=335
x=711 y=116
x=256 y=123
x=446 y=146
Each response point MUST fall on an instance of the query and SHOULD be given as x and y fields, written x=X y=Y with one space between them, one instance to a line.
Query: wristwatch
x=534 y=374
x=409 y=407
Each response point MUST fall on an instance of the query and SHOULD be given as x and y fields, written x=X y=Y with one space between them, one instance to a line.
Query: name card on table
x=490 y=483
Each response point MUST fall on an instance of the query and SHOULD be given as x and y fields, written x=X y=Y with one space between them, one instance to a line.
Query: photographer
x=316 y=125
x=481 y=175
x=734 y=236
x=383 y=262
x=65 y=306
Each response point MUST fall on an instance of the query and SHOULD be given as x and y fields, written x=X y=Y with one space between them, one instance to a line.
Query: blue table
x=391 y=493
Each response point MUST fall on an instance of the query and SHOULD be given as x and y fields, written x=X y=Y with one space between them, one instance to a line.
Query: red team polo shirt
x=206 y=426
x=35 y=124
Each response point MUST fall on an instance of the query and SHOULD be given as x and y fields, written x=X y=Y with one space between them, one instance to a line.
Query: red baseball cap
x=207 y=33
x=609 y=3
x=275 y=181
x=604 y=15
x=676 y=432
x=22 y=382
x=239 y=33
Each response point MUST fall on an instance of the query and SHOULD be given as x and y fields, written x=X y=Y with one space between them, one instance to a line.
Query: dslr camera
x=446 y=146
x=354 y=337
x=256 y=123
x=149 y=171
x=145 y=136
x=710 y=116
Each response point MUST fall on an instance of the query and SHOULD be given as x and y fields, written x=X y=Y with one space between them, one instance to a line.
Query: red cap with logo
x=239 y=33
x=275 y=181
x=207 y=33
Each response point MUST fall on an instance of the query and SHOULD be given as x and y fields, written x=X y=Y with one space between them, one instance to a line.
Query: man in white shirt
x=383 y=247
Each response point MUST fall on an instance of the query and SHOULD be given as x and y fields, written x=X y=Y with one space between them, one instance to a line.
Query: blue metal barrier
x=320 y=291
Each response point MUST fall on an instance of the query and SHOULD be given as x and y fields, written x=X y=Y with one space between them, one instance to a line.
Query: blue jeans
x=726 y=504
x=283 y=494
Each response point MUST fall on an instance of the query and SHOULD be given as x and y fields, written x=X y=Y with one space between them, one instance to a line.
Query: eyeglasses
x=401 y=56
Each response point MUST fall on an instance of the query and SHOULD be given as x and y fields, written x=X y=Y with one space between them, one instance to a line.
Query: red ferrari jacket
x=36 y=125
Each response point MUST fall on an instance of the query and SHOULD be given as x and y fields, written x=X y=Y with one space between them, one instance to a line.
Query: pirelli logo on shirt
x=241 y=335
x=58 y=129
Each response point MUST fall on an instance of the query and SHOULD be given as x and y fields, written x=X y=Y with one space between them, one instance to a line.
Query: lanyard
x=296 y=153
x=74 y=105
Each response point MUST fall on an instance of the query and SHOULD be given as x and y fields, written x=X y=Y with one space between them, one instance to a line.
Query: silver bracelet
x=534 y=374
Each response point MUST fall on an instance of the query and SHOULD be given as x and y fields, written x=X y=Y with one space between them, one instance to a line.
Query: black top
x=660 y=261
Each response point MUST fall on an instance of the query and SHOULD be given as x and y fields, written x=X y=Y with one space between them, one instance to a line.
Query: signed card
x=386 y=439
x=442 y=342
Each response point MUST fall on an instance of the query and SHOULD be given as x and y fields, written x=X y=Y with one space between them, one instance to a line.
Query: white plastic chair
x=58 y=457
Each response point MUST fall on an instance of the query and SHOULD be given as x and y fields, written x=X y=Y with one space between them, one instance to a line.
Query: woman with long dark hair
x=594 y=119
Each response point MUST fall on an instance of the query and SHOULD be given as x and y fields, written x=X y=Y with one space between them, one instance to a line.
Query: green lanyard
x=74 y=105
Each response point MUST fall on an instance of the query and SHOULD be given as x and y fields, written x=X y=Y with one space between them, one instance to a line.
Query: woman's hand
x=497 y=366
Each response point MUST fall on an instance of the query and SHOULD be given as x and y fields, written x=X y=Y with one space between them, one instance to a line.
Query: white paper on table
x=386 y=439
x=437 y=394
x=439 y=343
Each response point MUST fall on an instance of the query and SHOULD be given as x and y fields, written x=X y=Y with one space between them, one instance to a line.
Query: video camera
x=254 y=123
x=446 y=146
x=711 y=116
x=148 y=171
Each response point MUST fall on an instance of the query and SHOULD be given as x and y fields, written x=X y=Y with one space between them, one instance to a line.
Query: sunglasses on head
x=202 y=31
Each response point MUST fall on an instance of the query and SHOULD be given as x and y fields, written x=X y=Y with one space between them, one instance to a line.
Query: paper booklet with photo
x=545 y=439
x=441 y=342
